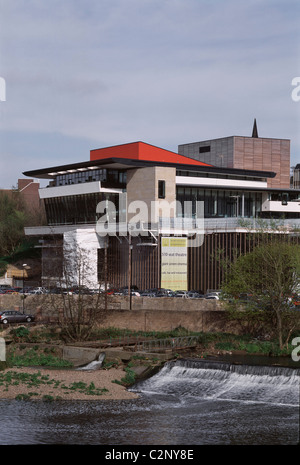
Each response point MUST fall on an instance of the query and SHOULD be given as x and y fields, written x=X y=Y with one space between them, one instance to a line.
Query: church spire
x=254 y=130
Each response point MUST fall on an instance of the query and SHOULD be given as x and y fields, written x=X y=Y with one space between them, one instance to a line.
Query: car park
x=12 y=316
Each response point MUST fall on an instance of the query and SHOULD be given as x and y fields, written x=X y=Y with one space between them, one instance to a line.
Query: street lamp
x=24 y=264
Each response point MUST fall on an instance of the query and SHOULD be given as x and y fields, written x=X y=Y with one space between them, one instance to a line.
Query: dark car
x=12 y=316
x=10 y=290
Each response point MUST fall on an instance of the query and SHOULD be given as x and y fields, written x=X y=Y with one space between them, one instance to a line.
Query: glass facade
x=198 y=174
x=104 y=175
x=76 y=209
x=221 y=203
x=283 y=196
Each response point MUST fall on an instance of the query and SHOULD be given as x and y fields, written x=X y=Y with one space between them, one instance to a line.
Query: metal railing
x=148 y=345
x=168 y=343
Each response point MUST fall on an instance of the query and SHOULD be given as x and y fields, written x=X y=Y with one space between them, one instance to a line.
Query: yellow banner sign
x=174 y=263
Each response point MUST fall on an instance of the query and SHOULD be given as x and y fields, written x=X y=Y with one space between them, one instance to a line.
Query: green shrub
x=20 y=332
x=34 y=358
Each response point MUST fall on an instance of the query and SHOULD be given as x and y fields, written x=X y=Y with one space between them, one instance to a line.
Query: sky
x=86 y=74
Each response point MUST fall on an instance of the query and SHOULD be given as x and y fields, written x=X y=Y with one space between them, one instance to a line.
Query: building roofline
x=125 y=163
x=232 y=137
x=143 y=151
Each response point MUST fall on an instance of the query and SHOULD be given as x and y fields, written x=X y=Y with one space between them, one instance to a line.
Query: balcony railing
x=179 y=226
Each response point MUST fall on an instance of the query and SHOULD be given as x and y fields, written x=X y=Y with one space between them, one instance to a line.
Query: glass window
x=161 y=189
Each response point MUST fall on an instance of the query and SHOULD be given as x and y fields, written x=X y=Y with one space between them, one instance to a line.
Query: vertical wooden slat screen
x=205 y=271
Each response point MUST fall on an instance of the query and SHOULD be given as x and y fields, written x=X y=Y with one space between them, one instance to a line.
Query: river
x=187 y=402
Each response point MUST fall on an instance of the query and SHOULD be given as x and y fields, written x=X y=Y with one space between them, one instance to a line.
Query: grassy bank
x=33 y=348
x=50 y=356
x=206 y=341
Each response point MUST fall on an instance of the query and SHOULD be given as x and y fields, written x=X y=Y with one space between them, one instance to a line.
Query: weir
x=194 y=380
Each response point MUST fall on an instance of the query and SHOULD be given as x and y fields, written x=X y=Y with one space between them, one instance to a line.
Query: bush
x=20 y=333
x=32 y=357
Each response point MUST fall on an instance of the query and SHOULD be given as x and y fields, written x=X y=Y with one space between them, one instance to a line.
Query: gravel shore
x=42 y=383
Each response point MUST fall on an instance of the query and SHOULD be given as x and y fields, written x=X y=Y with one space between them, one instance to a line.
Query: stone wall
x=146 y=314
x=48 y=303
x=166 y=320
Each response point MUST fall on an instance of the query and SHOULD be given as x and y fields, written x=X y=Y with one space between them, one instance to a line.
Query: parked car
x=296 y=300
x=113 y=291
x=182 y=294
x=212 y=296
x=37 y=291
x=148 y=294
x=195 y=295
x=165 y=293
x=132 y=293
x=12 y=316
x=11 y=290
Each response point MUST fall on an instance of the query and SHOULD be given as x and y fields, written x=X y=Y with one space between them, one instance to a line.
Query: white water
x=95 y=364
x=191 y=380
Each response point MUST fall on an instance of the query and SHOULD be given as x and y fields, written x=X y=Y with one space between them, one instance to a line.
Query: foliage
x=36 y=380
x=268 y=276
x=33 y=357
x=254 y=347
x=20 y=333
x=87 y=389
x=12 y=221
x=115 y=333
x=14 y=216
x=128 y=379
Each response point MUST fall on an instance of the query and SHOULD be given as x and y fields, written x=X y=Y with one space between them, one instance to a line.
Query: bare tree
x=73 y=296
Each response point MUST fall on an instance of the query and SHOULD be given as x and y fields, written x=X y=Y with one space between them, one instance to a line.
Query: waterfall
x=209 y=380
x=94 y=365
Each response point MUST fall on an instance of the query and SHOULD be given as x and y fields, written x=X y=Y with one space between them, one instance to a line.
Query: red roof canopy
x=143 y=151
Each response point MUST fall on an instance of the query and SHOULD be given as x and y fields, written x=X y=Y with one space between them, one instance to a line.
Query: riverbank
x=40 y=366
x=36 y=383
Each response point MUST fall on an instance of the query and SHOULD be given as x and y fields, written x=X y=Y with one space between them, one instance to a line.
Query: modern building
x=296 y=177
x=259 y=153
x=153 y=218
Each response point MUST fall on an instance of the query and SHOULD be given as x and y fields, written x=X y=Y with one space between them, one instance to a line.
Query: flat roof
x=232 y=137
x=125 y=164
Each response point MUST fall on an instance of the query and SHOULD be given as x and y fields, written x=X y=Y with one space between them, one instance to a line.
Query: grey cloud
x=164 y=72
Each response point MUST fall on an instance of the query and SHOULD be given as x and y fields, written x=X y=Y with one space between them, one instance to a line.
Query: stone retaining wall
x=146 y=314
x=32 y=302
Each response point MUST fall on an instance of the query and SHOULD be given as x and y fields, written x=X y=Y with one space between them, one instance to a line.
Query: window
x=161 y=189
x=81 y=176
x=221 y=203
x=204 y=149
x=284 y=199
